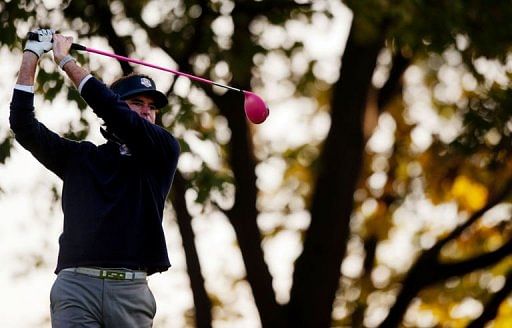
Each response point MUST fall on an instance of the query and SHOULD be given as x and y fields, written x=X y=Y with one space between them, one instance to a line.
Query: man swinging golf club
x=113 y=195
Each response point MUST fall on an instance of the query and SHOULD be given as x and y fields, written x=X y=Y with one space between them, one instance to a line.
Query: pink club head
x=255 y=108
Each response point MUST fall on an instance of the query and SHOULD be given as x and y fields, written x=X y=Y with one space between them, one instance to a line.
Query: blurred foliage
x=419 y=26
x=468 y=40
x=5 y=149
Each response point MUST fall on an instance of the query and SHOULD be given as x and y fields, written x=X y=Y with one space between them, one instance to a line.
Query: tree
x=353 y=192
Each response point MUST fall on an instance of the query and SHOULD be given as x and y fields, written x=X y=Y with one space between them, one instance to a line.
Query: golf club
x=255 y=108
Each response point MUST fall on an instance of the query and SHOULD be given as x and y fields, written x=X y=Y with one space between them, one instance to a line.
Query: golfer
x=113 y=195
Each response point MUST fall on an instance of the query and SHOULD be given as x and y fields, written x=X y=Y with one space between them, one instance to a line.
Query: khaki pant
x=78 y=300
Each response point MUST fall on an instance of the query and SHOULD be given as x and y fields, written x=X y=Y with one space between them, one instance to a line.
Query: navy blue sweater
x=112 y=202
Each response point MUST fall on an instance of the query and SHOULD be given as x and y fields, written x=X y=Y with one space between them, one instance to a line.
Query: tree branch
x=393 y=85
x=475 y=216
x=447 y=270
x=428 y=261
x=267 y=7
x=493 y=305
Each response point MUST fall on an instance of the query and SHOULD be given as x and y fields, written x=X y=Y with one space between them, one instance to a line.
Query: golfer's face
x=144 y=106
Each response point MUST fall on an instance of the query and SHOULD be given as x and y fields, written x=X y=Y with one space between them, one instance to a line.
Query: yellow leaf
x=504 y=317
x=470 y=194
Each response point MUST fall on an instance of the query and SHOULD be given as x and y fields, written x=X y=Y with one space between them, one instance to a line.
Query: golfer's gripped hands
x=61 y=46
x=42 y=44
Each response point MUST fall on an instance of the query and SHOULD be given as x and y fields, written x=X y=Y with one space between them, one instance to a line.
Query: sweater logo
x=145 y=82
x=124 y=150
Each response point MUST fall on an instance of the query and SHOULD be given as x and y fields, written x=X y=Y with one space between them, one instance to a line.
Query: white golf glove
x=44 y=44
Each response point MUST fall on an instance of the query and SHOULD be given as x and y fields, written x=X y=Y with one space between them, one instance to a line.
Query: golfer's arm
x=75 y=72
x=27 y=69
x=49 y=148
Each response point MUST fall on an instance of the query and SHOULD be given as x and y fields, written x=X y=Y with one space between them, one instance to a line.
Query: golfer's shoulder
x=175 y=144
x=84 y=147
x=91 y=85
x=170 y=140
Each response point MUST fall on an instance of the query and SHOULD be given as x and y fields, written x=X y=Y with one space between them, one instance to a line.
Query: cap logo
x=145 y=82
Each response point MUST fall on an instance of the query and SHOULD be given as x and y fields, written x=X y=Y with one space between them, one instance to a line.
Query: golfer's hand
x=61 y=46
x=44 y=44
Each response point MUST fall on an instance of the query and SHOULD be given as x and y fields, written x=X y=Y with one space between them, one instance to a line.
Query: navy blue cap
x=134 y=85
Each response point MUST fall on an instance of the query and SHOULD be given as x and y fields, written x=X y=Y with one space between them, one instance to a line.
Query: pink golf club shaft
x=141 y=62
x=255 y=108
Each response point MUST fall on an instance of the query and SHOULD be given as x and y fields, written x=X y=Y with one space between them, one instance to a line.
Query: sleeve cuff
x=22 y=100
x=26 y=88
x=82 y=83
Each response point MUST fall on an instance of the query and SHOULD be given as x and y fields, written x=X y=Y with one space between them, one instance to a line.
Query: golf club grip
x=74 y=46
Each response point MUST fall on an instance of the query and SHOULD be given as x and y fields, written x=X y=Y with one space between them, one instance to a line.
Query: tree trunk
x=317 y=270
x=244 y=213
x=202 y=303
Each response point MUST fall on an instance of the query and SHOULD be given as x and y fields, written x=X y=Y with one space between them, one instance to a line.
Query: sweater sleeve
x=143 y=138
x=47 y=147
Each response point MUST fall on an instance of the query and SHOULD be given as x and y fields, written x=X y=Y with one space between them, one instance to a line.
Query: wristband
x=65 y=60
